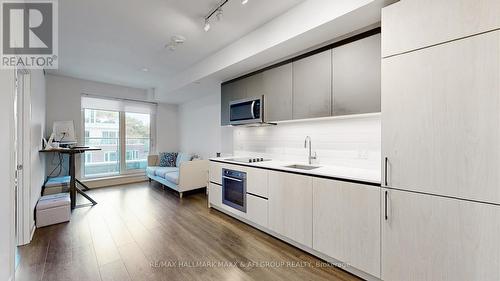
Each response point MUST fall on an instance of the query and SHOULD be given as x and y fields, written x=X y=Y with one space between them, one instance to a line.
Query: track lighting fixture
x=219 y=14
x=207 y=26
x=217 y=11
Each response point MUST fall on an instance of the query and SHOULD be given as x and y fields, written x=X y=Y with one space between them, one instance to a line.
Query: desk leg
x=86 y=196
x=85 y=187
x=72 y=182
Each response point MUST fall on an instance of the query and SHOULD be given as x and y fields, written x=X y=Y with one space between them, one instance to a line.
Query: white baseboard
x=33 y=228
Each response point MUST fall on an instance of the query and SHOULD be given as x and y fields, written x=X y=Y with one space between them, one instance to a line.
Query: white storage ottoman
x=53 y=209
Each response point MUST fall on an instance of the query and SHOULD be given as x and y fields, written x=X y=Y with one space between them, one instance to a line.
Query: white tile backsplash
x=348 y=142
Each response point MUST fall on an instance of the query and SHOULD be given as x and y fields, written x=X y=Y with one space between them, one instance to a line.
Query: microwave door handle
x=251 y=109
x=233 y=179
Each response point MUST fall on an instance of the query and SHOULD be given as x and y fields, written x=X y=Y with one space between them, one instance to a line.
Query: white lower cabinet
x=290 y=206
x=257 y=210
x=215 y=194
x=428 y=237
x=257 y=181
x=215 y=172
x=346 y=223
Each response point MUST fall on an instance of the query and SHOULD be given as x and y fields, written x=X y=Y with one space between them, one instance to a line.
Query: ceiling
x=112 y=41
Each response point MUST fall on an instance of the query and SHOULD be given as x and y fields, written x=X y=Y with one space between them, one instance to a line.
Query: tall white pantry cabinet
x=441 y=140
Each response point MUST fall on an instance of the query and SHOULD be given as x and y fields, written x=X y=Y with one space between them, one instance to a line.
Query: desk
x=73 y=189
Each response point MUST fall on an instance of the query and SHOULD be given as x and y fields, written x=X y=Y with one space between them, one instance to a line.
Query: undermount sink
x=302 y=167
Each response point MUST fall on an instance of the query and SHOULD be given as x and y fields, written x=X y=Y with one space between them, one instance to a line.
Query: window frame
x=121 y=145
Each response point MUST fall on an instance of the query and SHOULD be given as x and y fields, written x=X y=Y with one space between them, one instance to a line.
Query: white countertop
x=347 y=173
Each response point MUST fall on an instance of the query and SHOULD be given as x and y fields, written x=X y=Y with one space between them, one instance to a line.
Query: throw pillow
x=167 y=159
x=182 y=157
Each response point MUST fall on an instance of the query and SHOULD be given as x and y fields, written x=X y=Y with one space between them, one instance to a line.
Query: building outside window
x=124 y=150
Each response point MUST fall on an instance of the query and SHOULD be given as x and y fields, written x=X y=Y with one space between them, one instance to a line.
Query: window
x=132 y=155
x=122 y=129
x=137 y=126
x=103 y=128
x=88 y=157
x=110 y=156
x=110 y=137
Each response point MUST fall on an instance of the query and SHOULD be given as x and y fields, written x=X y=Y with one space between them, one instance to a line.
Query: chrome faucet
x=311 y=157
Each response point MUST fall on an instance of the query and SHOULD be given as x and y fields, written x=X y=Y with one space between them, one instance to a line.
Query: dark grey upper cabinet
x=340 y=81
x=254 y=86
x=230 y=92
x=356 y=77
x=312 y=86
x=277 y=87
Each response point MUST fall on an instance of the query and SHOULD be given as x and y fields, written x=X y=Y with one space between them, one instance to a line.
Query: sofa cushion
x=161 y=171
x=167 y=159
x=182 y=157
x=172 y=177
x=150 y=170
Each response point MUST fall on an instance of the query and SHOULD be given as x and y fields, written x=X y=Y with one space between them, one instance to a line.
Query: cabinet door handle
x=385 y=171
x=385 y=205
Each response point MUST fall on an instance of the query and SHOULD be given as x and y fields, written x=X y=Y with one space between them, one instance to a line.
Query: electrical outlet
x=363 y=154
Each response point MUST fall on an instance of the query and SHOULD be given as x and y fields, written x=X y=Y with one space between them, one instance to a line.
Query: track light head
x=219 y=14
x=206 y=27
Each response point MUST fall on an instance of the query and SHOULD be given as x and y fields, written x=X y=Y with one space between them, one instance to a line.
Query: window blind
x=117 y=104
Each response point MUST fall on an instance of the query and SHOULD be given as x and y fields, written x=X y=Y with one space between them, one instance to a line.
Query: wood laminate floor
x=142 y=232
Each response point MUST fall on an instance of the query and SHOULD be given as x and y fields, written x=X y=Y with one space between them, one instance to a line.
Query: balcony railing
x=100 y=165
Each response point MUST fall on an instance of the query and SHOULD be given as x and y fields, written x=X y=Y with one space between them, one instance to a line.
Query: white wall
x=37 y=131
x=199 y=125
x=64 y=103
x=6 y=173
x=167 y=128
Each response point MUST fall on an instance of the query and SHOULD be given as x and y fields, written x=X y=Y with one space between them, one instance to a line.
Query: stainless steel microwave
x=246 y=111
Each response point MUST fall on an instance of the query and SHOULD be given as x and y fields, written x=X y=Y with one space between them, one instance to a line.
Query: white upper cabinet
x=441 y=119
x=412 y=24
x=428 y=237
x=290 y=206
x=346 y=223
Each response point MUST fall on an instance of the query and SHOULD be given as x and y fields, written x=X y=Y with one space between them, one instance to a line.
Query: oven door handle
x=233 y=179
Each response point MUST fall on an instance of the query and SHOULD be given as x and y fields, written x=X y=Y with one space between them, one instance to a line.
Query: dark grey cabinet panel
x=254 y=85
x=356 y=77
x=312 y=86
x=277 y=87
x=341 y=81
x=230 y=92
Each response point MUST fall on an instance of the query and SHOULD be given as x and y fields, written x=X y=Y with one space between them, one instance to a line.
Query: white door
x=440 y=119
x=21 y=154
x=427 y=237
